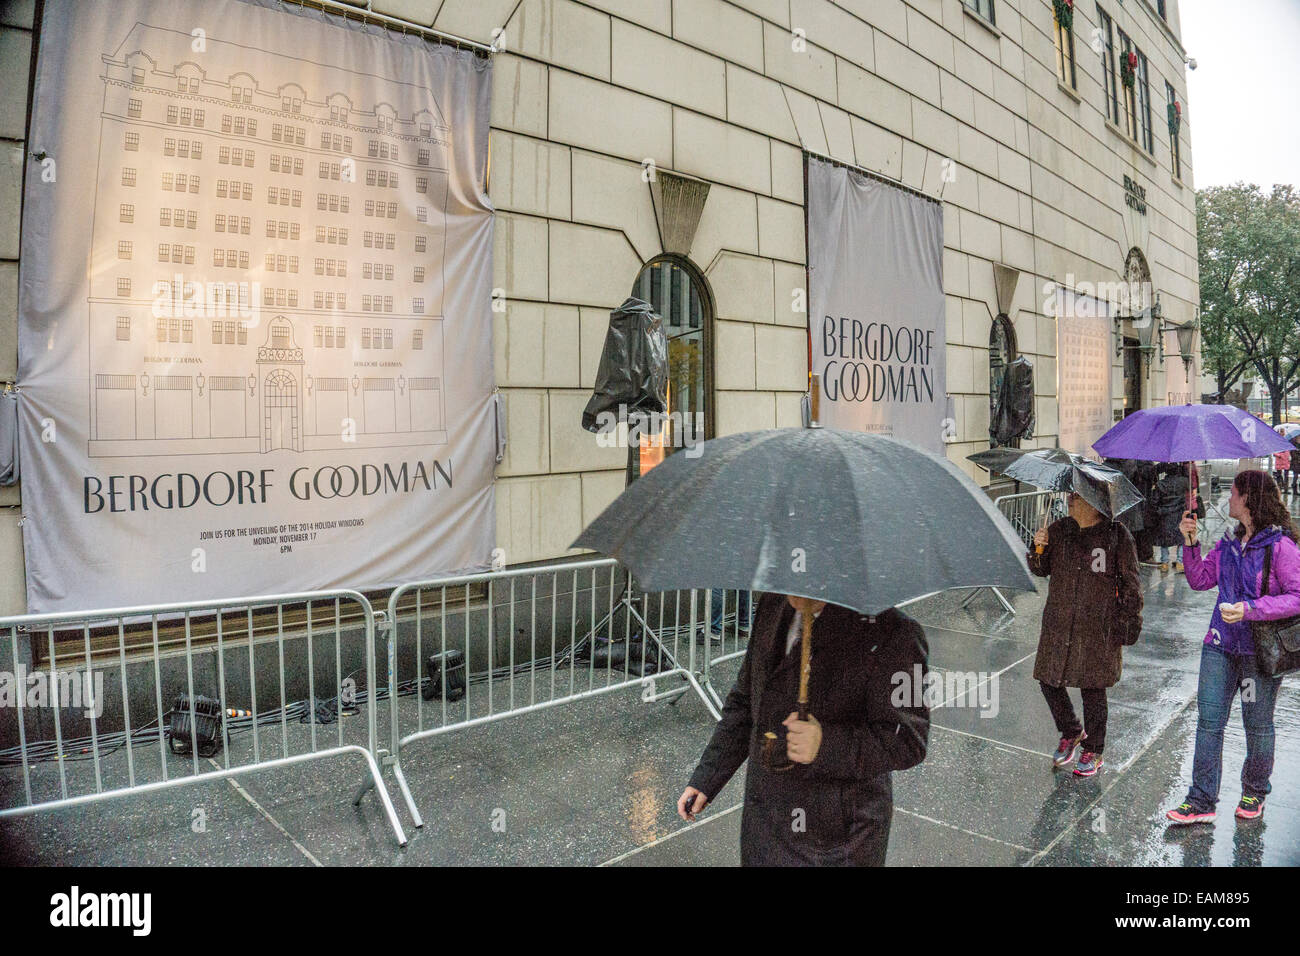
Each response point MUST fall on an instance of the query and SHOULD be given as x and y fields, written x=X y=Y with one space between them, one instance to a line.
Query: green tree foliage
x=1250 y=286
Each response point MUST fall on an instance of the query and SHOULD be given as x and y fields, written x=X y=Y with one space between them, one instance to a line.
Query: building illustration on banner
x=238 y=302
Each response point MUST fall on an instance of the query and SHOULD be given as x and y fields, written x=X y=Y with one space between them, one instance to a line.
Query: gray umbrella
x=857 y=520
x=1103 y=487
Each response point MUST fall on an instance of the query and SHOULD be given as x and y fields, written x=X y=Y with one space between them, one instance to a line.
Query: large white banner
x=1083 y=370
x=876 y=308
x=255 y=320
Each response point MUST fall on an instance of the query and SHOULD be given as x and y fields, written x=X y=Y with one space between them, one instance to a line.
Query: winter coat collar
x=1268 y=536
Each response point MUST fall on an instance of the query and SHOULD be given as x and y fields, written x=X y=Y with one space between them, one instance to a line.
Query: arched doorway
x=679 y=294
x=280 y=412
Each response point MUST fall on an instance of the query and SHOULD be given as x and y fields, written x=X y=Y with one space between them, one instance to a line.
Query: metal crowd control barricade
x=141 y=659
x=1025 y=512
x=468 y=650
x=725 y=632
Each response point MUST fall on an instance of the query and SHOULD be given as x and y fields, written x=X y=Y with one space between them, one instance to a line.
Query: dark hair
x=1263 y=502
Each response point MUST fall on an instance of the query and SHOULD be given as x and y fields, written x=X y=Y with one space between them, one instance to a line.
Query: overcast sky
x=1242 y=96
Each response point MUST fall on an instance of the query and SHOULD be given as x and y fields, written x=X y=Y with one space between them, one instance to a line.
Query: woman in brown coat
x=1094 y=608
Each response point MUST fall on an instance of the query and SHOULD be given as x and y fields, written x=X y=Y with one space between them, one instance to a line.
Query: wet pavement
x=594 y=782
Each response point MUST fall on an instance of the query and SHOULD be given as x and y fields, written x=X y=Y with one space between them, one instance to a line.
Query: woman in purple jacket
x=1236 y=565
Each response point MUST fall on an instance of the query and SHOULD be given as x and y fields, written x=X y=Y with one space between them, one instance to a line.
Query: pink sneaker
x=1066 y=748
x=1089 y=764
x=1186 y=813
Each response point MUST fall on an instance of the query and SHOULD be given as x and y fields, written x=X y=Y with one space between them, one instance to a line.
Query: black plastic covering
x=1013 y=416
x=8 y=438
x=633 y=373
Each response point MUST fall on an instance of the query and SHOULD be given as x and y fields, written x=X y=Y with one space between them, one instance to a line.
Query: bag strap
x=1268 y=567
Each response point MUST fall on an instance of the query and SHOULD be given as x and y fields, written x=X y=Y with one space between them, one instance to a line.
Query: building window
x=123 y=249
x=1147 y=138
x=417 y=339
x=1163 y=9
x=1174 y=116
x=124 y=287
x=983 y=7
x=124 y=328
x=1128 y=83
x=133 y=108
x=128 y=176
x=131 y=141
x=676 y=291
x=126 y=213
x=1064 y=38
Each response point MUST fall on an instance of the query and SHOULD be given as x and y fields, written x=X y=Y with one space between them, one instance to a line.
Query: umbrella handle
x=1190 y=502
x=1047 y=513
x=805 y=661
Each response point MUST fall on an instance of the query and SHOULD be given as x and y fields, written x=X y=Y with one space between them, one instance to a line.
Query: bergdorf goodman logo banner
x=876 y=308
x=255 y=311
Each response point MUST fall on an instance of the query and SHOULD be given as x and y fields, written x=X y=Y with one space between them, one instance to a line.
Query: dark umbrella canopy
x=1190 y=433
x=857 y=520
x=1103 y=487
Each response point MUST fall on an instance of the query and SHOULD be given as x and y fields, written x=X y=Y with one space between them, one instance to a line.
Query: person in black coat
x=1170 y=503
x=867 y=717
x=1144 y=478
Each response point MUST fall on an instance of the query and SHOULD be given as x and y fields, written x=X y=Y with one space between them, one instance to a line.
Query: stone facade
x=587 y=95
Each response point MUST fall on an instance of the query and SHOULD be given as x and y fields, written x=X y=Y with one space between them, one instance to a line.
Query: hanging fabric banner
x=876 y=308
x=1084 y=346
x=255 y=330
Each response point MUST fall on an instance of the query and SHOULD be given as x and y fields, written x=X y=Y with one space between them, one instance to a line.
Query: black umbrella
x=857 y=520
x=1103 y=487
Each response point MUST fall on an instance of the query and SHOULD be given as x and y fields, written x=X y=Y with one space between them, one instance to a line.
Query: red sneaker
x=1089 y=764
x=1066 y=748
x=1250 y=808
x=1186 y=813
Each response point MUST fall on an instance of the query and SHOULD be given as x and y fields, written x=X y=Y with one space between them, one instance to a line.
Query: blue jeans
x=1221 y=677
x=720 y=601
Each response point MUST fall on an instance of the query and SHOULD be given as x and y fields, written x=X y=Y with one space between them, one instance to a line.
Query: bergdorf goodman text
x=179 y=490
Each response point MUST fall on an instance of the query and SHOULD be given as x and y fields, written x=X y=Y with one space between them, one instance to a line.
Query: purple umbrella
x=1190 y=433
